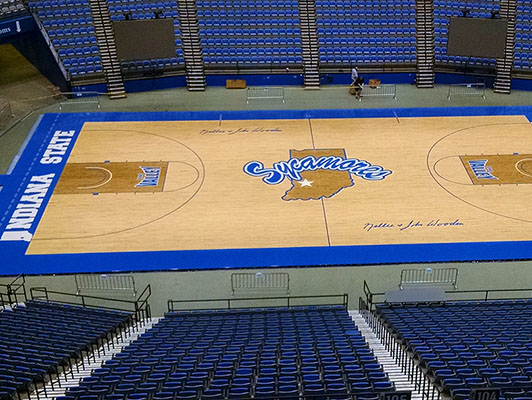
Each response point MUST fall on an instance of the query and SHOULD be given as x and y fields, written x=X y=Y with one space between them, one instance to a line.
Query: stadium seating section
x=69 y=26
x=40 y=337
x=445 y=9
x=266 y=33
x=239 y=354
x=523 y=36
x=11 y=8
x=250 y=33
x=138 y=10
x=366 y=32
x=466 y=345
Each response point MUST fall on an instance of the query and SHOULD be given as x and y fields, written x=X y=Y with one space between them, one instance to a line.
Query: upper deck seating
x=11 y=8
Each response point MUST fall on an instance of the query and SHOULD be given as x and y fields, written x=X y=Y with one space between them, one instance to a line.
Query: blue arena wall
x=290 y=79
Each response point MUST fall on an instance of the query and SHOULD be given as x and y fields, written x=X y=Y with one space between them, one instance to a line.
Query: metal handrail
x=277 y=92
x=468 y=89
x=429 y=276
x=261 y=281
x=344 y=301
x=488 y=291
x=12 y=288
x=5 y=114
x=112 y=283
x=142 y=304
x=370 y=295
x=140 y=307
x=344 y=394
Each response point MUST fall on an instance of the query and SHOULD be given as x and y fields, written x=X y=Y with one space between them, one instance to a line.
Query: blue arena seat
x=41 y=339
x=239 y=353
x=485 y=355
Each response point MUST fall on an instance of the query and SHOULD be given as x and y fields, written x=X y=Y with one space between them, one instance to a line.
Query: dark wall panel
x=145 y=39
x=477 y=37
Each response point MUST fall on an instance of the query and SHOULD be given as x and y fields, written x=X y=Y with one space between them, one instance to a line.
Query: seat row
x=79 y=51
x=354 y=13
x=385 y=45
x=82 y=70
x=74 y=42
x=464 y=4
x=523 y=64
x=243 y=51
x=64 y=22
x=247 y=3
x=364 y=3
x=247 y=13
x=379 y=27
x=253 y=60
x=220 y=389
x=148 y=65
x=10 y=8
x=366 y=50
x=209 y=42
x=266 y=23
x=251 y=32
x=140 y=16
x=141 y=6
x=68 y=62
x=64 y=12
x=368 y=60
x=57 y=3
x=75 y=32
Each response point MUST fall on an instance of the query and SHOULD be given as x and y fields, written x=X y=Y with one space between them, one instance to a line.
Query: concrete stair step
x=114 y=96
x=389 y=365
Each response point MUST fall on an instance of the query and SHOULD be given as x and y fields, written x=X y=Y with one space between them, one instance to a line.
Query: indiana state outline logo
x=316 y=173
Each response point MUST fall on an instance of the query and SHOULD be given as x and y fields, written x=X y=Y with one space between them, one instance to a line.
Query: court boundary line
x=246 y=258
x=289 y=257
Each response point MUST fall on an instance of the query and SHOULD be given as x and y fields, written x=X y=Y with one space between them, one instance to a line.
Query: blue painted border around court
x=29 y=165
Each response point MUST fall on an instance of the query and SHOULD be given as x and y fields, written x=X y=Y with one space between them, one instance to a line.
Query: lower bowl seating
x=241 y=354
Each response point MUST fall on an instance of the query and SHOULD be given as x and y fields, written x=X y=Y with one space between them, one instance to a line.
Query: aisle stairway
x=191 y=43
x=425 y=43
x=309 y=44
x=103 y=29
x=503 y=74
x=389 y=365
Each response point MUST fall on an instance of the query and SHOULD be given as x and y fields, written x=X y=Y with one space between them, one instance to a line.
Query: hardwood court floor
x=208 y=201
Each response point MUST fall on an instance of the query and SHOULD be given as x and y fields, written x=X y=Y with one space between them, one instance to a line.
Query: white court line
x=100 y=184
x=521 y=171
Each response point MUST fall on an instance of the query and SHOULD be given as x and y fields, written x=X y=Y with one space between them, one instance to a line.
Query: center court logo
x=316 y=173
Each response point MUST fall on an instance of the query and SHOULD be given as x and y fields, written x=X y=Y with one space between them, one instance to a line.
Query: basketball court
x=148 y=191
